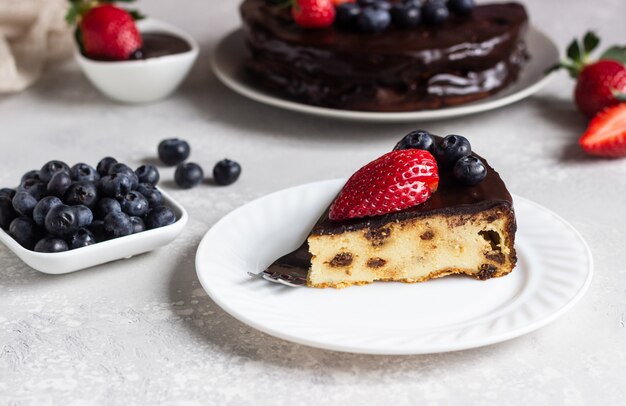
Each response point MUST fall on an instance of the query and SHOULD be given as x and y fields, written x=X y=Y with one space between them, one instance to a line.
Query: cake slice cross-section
x=459 y=230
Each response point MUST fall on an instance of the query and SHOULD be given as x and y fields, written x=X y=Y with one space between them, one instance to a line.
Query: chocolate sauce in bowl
x=156 y=45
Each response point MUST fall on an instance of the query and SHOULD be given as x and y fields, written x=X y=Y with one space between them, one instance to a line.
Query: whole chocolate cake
x=463 y=59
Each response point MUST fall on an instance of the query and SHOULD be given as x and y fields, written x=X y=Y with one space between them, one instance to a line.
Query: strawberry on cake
x=428 y=209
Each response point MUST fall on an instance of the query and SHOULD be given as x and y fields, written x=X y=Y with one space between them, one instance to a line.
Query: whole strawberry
x=313 y=13
x=104 y=31
x=600 y=84
x=395 y=181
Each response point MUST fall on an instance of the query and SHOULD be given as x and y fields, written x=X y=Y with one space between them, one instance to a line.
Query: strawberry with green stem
x=600 y=84
x=103 y=30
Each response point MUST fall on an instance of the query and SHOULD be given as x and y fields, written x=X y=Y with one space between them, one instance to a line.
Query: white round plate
x=231 y=53
x=453 y=313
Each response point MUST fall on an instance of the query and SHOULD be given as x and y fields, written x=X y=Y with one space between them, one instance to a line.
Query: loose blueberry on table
x=58 y=208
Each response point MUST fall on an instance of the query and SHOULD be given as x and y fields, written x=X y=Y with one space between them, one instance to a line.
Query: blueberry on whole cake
x=427 y=209
x=381 y=55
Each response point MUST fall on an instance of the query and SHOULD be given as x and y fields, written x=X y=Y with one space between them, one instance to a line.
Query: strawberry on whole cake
x=384 y=55
x=428 y=209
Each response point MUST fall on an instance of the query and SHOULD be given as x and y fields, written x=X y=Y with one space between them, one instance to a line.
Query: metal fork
x=291 y=280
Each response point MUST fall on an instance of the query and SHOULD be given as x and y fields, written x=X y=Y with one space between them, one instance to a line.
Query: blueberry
x=104 y=165
x=188 y=175
x=35 y=187
x=451 y=149
x=435 y=12
x=52 y=167
x=34 y=174
x=418 y=139
x=160 y=216
x=415 y=3
x=382 y=4
x=97 y=229
x=7 y=192
x=134 y=204
x=84 y=172
x=43 y=207
x=138 y=224
x=107 y=205
x=51 y=244
x=366 y=3
x=82 y=238
x=24 y=203
x=173 y=151
x=61 y=221
x=226 y=172
x=116 y=185
x=120 y=168
x=58 y=185
x=373 y=20
x=469 y=170
x=406 y=16
x=25 y=232
x=148 y=174
x=84 y=215
x=7 y=212
x=117 y=224
x=461 y=7
x=347 y=14
x=83 y=192
x=151 y=193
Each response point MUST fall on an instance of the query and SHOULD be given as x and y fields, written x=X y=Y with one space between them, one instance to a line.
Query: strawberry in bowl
x=128 y=58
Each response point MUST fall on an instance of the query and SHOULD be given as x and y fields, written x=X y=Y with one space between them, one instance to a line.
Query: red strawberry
x=313 y=13
x=597 y=86
x=109 y=33
x=606 y=135
x=395 y=181
x=338 y=2
x=600 y=84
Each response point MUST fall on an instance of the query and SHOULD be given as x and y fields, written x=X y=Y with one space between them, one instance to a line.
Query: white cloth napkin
x=32 y=33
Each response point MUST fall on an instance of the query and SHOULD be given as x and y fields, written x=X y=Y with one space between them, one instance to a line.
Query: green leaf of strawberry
x=615 y=53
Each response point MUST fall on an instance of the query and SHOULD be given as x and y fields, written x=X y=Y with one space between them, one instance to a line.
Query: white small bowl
x=102 y=252
x=146 y=80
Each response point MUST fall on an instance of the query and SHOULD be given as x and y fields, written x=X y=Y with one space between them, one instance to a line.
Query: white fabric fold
x=32 y=34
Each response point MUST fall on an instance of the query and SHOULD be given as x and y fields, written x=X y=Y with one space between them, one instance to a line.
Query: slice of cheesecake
x=459 y=230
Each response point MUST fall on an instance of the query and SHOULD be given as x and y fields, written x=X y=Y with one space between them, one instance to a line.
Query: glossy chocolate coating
x=451 y=199
x=464 y=59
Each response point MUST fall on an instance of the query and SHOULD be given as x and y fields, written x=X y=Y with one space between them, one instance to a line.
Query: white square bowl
x=123 y=247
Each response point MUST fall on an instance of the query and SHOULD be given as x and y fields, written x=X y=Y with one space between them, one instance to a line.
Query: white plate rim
x=226 y=75
x=382 y=351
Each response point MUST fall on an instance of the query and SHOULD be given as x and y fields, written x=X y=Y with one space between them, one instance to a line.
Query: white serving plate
x=102 y=252
x=453 y=313
x=230 y=55
x=146 y=80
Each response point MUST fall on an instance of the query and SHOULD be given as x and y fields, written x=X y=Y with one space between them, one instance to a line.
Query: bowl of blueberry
x=61 y=219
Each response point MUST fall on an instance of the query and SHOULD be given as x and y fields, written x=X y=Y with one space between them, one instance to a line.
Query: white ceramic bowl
x=142 y=81
x=102 y=252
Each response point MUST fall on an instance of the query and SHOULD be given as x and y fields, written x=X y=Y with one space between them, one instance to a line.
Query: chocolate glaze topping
x=464 y=59
x=451 y=198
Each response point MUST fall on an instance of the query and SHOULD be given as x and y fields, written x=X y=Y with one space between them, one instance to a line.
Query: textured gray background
x=143 y=331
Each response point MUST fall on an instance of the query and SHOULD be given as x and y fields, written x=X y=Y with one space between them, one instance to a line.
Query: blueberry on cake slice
x=427 y=209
